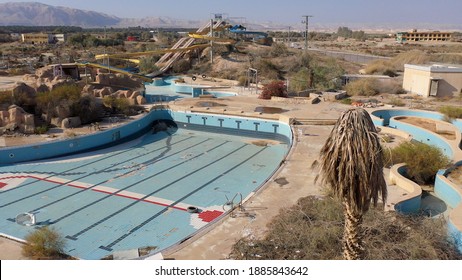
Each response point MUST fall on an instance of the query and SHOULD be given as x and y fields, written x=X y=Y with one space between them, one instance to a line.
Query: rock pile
x=16 y=119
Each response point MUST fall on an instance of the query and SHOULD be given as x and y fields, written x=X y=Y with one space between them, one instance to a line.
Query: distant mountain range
x=38 y=14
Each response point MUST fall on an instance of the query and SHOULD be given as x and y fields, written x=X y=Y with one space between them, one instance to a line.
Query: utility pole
x=306 y=30
x=288 y=36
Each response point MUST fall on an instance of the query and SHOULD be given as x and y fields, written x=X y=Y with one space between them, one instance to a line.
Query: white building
x=433 y=80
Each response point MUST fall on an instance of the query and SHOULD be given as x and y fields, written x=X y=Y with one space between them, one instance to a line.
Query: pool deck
x=294 y=180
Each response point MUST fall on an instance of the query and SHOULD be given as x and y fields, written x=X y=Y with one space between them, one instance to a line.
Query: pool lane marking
x=134 y=184
x=107 y=190
x=75 y=236
x=139 y=226
x=100 y=158
x=93 y=173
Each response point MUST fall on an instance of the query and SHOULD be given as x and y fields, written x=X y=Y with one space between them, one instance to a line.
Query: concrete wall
x=206 y=122
x=452 y=196
x=411 y=203
x=417 y=81
x=450 y=84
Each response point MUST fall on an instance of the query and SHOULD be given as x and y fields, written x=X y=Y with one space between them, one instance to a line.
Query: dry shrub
x=379 y=67
x=397 y=102
x=362 y=87
x=411 y=57
x=313 y=228
x=397 y=63
x=447 y=58
x=45 y=243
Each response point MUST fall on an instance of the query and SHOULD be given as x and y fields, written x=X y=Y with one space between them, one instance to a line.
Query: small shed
x=438 y=80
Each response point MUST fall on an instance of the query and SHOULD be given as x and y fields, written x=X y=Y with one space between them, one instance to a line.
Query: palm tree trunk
x=352 y=235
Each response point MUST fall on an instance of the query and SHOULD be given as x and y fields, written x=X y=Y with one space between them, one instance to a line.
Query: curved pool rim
x=450 y=193
x=252 y=127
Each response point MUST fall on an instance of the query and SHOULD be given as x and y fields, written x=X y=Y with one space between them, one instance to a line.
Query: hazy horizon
x=363 y=12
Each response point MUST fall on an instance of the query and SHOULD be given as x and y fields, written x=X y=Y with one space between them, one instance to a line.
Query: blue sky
x=281 y=11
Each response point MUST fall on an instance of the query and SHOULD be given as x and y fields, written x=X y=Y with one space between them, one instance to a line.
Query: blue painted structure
x=166 y=89
x=127 y=195
x=443 y=189
x=412 y=205
x=212 y=123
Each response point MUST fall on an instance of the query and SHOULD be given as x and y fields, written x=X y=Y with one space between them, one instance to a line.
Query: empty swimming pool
x=152 y=191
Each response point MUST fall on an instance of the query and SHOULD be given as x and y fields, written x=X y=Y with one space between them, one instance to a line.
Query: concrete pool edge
x=122 y=133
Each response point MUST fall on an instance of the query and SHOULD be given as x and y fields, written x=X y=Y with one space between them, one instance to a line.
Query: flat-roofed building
x=37 y=38
x=415 y=36
x=437 y=80
x=59 y=38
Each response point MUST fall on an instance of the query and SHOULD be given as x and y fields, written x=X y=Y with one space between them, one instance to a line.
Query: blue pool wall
x=194 y=90
x=443 y=189
x=386 y=118
x=409 y=206
x=206 y=122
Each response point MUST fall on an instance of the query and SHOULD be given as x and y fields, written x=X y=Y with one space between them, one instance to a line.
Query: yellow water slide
x=115 y=70
x=154 y=52
x=225 y=41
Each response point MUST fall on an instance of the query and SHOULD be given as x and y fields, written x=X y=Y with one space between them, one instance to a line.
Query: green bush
x=346 y=101
x=451 y=112
x=148 y=65
x=362 y=87
x=422 y=160
x=41 y=129
x=44 y=244
x=48 y=101
x=302 y=80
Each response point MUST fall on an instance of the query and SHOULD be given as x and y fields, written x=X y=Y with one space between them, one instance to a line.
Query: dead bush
x=45 y=243
x=313 y=228
x=362 y=87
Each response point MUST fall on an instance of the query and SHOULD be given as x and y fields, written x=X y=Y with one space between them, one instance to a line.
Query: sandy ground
x=10 y=250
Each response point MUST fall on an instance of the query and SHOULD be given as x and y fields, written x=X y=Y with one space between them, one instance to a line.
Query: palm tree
x=352 y=166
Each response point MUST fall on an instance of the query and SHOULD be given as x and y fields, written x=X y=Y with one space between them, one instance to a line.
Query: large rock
x=45 y=72
x=140 y=100
x=71 y=122
x=63 y=111
x=42 y=88
x=22 y=88
x=16 y=118
x=88 y=89
x=103 y=92
x=123 y=93
x=118 y=80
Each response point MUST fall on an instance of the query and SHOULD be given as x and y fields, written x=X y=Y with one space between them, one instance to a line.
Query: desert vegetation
x=451 y=113
x=312 y=230
x=44 y=243
x=422 y=160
